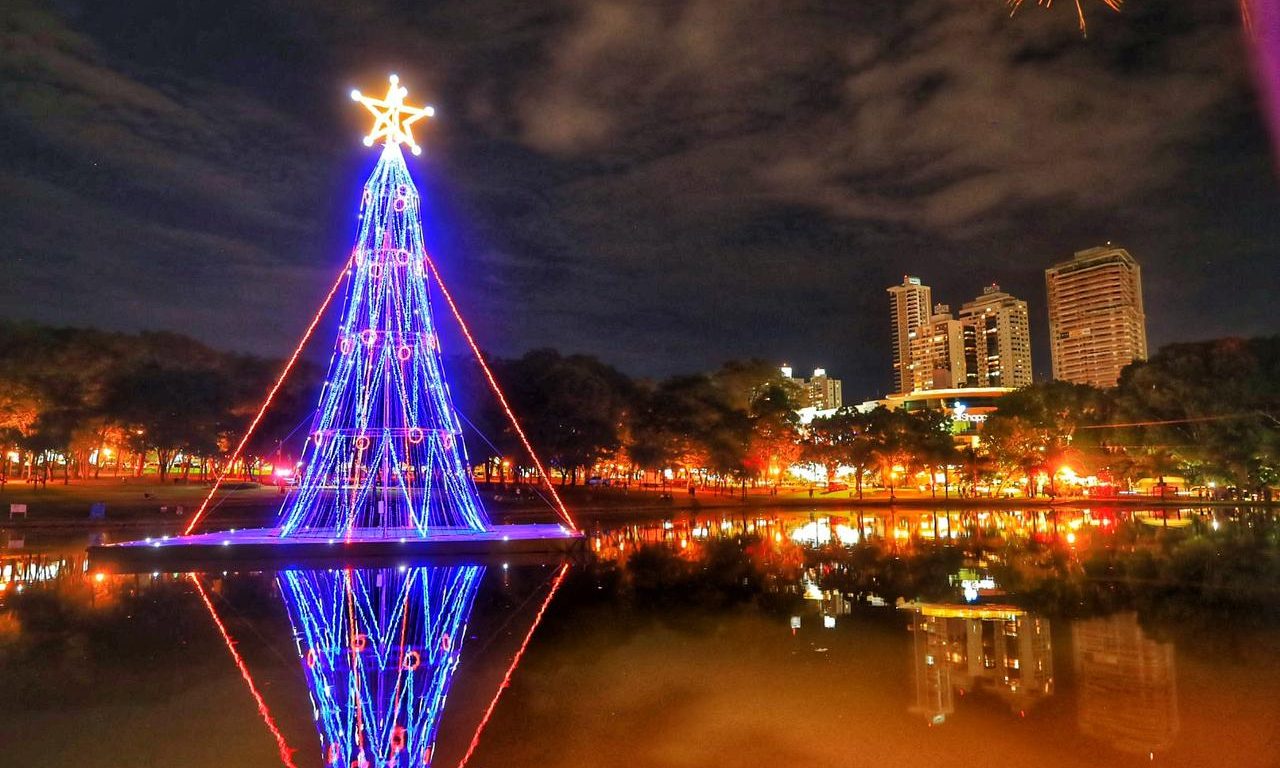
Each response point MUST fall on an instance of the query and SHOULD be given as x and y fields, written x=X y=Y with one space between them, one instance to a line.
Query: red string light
x=497 y=391
x=286 y=752
x=284 y=374
x=515 y=661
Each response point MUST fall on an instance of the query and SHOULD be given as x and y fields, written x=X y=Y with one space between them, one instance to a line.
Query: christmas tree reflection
x=379 y=647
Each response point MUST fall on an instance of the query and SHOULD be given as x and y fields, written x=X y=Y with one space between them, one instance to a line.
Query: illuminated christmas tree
x=385 y=452
x=379 y=649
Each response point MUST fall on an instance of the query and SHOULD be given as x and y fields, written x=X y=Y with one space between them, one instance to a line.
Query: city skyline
x=393 y=384
x=986 y=344
x=608 y=214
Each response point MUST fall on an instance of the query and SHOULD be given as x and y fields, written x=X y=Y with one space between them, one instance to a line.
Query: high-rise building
x=824 y=391
x=937 y=353
x=909 y=305
x=998 y=340
x=820 y=392
x=1096 y=322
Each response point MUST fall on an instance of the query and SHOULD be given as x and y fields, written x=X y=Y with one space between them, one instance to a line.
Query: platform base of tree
x=251 y=548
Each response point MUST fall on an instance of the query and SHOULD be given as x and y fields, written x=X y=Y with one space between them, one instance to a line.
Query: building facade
x=909 y=305
x=825 y=393
x=998 y=340
x=1097 y=324
x=821 y=393
x=967 y=407
x=937 y=352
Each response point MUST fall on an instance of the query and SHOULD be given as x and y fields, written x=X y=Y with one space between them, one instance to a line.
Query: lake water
x=758 y=639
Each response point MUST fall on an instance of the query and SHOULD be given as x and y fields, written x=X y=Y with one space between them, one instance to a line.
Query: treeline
x=75 y=402
x=1208 y=411
x=587 y=418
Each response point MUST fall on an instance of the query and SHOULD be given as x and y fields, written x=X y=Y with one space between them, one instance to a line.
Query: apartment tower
x=821 y=392
x=909 y=304
x=998 y=348
x=938 y=353
x=1096 y=322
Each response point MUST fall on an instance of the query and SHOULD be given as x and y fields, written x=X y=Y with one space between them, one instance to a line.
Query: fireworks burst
x=1114 y=5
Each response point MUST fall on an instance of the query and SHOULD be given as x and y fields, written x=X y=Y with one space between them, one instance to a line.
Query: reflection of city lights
x=820 y=532
x=1071 y=538
x=99 y=577
x=987 y=612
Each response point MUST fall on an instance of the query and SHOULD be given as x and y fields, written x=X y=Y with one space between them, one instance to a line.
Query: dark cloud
x=665 y=184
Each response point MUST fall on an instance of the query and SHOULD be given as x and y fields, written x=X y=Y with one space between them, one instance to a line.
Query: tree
x=741 y=383
x=689 y=422
x=774 y=443
x=934 y=445
x=572 y=407
x=843 y=438
x=168 y=409
x=1040 y=427
x=1208 y=409
x=895 y=436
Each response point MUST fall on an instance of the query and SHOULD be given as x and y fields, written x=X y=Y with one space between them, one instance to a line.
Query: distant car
x=833 y=487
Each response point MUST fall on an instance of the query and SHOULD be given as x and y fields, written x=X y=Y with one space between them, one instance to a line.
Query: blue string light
x=385 y=451
x=379 y=648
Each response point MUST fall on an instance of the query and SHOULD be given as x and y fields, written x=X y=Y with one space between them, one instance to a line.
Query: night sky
x=663 y=185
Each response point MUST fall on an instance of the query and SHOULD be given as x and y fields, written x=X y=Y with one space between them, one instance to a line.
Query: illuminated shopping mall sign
x=960 y=412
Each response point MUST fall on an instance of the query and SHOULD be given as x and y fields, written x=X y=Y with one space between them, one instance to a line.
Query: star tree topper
x=392 y=118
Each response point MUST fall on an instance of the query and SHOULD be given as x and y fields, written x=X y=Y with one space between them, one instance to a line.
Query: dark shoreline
x=68 y=516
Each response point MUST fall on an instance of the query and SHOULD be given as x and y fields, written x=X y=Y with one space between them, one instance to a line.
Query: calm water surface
x=833 y=639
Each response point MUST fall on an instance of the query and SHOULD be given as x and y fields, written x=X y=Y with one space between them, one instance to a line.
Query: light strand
x=497 y=391
x=1188 y=420
x=253 y=425
x=385 y=383
x=515 y=661
x=286 y=752
x=363 y=691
